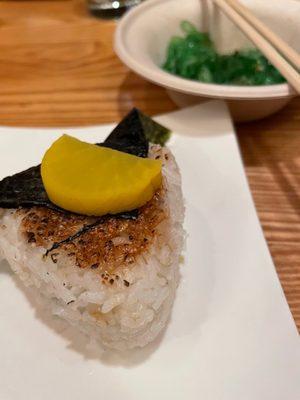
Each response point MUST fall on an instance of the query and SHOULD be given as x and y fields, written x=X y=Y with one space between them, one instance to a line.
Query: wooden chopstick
x=285 y=49
x=283 y=66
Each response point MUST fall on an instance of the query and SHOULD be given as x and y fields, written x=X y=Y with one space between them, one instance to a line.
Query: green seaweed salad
x=194 y=57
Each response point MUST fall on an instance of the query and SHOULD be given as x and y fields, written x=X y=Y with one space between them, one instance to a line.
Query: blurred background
x=58 y=68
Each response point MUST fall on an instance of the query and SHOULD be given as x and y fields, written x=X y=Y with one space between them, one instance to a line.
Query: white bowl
x=143 y=34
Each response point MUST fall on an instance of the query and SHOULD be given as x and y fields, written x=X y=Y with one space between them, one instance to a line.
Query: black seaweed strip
x=129 y=136
x=70 y=239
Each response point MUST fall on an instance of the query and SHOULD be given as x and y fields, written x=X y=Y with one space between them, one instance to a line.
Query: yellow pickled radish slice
x=92 y=180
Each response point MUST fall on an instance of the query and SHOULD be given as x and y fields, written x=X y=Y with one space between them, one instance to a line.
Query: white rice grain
x=117 y=317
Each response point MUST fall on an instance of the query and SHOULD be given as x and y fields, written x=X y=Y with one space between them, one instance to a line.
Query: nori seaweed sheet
x=26 y=189
x=134 y=133
x=129 y=136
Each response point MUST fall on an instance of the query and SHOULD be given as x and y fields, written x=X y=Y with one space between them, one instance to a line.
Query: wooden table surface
x=57 y=68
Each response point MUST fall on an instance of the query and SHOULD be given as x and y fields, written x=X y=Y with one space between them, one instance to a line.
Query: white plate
x=231 y=336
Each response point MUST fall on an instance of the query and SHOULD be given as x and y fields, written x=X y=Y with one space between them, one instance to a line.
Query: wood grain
x=270 y=150
x=58 y=68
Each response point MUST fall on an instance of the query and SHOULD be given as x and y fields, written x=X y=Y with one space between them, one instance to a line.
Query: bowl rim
x=157 y=75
